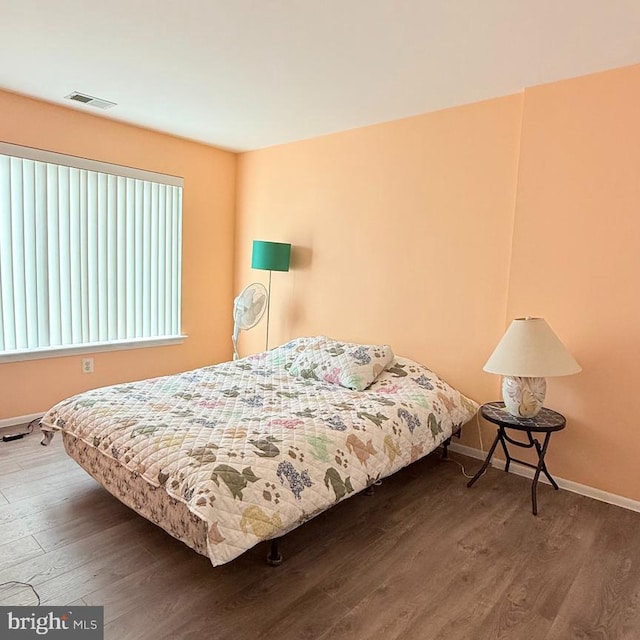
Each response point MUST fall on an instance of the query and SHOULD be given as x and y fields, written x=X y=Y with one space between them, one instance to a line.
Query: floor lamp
x=270 y=256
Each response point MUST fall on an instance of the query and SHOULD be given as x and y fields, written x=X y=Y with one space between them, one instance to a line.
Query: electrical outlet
x=87 y=365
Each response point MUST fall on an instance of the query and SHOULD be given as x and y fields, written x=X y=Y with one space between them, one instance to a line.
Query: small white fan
x=248 y=309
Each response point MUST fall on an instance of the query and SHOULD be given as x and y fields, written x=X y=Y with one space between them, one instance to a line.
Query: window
x=90 y=255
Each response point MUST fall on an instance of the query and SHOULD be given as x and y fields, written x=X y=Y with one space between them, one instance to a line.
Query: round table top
x=546 y=420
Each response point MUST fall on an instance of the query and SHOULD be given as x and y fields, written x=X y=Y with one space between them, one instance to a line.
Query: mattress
x=225 y=456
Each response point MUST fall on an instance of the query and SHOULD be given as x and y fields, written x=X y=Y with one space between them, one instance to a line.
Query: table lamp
x=270 y=256
x=528 y=352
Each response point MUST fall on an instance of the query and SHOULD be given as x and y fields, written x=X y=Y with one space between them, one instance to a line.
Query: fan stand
x=245 y=303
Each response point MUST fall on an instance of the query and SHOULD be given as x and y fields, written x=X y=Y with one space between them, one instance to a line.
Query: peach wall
x=208 y=227
x=576 y=261
x=434 y=232
x=401 y=233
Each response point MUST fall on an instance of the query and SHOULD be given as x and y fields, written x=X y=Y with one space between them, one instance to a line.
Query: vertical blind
x=87 y=256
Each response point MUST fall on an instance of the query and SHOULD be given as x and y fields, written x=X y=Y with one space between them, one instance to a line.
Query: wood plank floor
x=423 y=558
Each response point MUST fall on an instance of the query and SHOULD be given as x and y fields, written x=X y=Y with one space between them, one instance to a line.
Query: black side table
x=546 y=422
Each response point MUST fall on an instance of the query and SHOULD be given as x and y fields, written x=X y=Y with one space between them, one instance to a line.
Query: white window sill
x=116 y=345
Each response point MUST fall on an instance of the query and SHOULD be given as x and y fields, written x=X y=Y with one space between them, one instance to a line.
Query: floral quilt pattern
x=254 y=451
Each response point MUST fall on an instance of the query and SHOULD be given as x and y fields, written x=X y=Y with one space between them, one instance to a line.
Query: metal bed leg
x=370 y=490
x=447 y=442
x=274 y=557
x=445 y=448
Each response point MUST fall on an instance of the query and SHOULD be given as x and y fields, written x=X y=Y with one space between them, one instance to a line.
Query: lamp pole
x=266 y=346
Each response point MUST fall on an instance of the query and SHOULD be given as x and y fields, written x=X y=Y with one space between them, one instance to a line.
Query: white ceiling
x=246 y=74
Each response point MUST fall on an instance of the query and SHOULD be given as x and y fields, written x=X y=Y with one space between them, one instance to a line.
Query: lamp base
x=523 y=397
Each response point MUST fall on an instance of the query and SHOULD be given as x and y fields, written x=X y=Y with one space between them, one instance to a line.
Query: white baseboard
x=8 y=423
x=470 y=452
x=569 y=485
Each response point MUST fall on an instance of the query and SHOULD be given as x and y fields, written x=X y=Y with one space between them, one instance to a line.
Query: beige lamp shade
x=530 y=349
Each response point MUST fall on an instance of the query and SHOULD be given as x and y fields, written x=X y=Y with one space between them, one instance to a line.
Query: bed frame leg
x=370 y=490
x=274 y=557
x=447 y=442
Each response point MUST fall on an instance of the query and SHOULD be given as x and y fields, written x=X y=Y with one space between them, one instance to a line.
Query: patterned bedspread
x=255 y=451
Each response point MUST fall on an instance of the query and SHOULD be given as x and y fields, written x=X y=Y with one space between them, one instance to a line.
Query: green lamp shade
x=271 y=256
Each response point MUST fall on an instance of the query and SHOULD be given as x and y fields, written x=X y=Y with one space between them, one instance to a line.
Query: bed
x=226 y=456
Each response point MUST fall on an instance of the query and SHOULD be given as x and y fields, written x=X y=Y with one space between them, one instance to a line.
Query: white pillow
x=354 y=366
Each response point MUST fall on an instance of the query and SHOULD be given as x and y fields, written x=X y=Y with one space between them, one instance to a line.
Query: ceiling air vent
x=92 y=101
